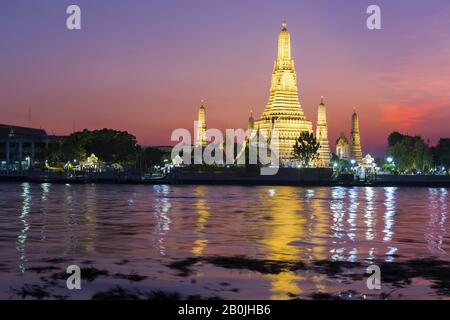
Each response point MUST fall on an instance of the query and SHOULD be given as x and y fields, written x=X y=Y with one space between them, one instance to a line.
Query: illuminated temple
x=201 y=127
x=284 y=114
x=283 y=111
x=324 y=153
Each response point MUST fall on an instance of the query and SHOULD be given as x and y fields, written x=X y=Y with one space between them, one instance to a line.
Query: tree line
x=413 y=154
x=110 y=146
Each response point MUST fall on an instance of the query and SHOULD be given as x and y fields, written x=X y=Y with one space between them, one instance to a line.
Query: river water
x=231 y=242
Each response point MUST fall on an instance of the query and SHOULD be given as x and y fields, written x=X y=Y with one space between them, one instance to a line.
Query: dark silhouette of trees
x=410 y=153
x=441 y=153
x=305 y=148
x=107 y=144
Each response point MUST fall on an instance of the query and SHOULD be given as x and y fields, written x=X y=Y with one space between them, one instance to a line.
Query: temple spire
x=201 y=126
x=283 y=111
x=324 y=152
x=284 y=24
x=355 y=145
x=284 y=44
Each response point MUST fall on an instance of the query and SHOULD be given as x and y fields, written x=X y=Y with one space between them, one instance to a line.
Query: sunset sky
x=144 y=66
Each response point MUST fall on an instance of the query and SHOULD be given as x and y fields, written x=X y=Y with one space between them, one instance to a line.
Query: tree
x=410 y=153
x=340 y=164
x=441 y=153
x=394 y=138
x=305 y=148
x=151 y=156
x=107 y=144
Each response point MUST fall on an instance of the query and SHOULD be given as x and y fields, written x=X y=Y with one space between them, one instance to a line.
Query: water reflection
x=338 y=209
x=22 y=238
x=437 y=200
x=162 y=219
x=203 y=215
x=104 y=223
x=45 y=191
x=352 y=214
x=389 y=203
x=283 y=222
x=318 y=233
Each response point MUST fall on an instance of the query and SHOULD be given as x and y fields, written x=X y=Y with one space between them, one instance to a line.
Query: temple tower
x=322 y=137
x=355 y=144
x=251 y=122
x=201 y=127
x=283 y=111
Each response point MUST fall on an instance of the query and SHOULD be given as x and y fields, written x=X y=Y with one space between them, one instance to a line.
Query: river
x=229 y=242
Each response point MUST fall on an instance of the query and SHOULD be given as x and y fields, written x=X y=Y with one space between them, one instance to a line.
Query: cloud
x=406 y=116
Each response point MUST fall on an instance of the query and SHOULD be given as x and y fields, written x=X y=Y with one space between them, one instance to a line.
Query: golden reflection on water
x=283 y=223
x=318 y=233
x=338 y=209
x=202 y=210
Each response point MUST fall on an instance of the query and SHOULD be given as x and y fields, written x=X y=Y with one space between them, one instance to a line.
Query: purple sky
x=144 y=66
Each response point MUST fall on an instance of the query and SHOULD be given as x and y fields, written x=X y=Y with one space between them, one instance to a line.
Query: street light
x=389 y=159
x=353 y=162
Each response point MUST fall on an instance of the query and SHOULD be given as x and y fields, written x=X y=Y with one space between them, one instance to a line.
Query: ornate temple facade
x=355 y=145
x=324 y=152
x=201 y=127
x=342 y=147
x=283 y=111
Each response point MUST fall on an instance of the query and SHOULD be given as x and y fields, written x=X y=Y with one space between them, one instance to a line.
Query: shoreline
x=234 y=182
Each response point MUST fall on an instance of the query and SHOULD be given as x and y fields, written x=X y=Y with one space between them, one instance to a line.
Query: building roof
x=342 y=138
x=9 y=132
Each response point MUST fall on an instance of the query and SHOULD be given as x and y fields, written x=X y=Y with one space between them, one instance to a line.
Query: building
x=21 y=147
x=355 y=145
x=201 y=127
x=324 y=157
x=342 y=147
x=283 y=111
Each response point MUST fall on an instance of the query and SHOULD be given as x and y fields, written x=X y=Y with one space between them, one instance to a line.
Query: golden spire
x=322 y=136
x=355 y=146
x=201 y=125
x=284 y=24
x=283 y=111
x=284 y=46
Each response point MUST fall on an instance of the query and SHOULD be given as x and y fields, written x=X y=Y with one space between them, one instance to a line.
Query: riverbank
x=235 y=176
